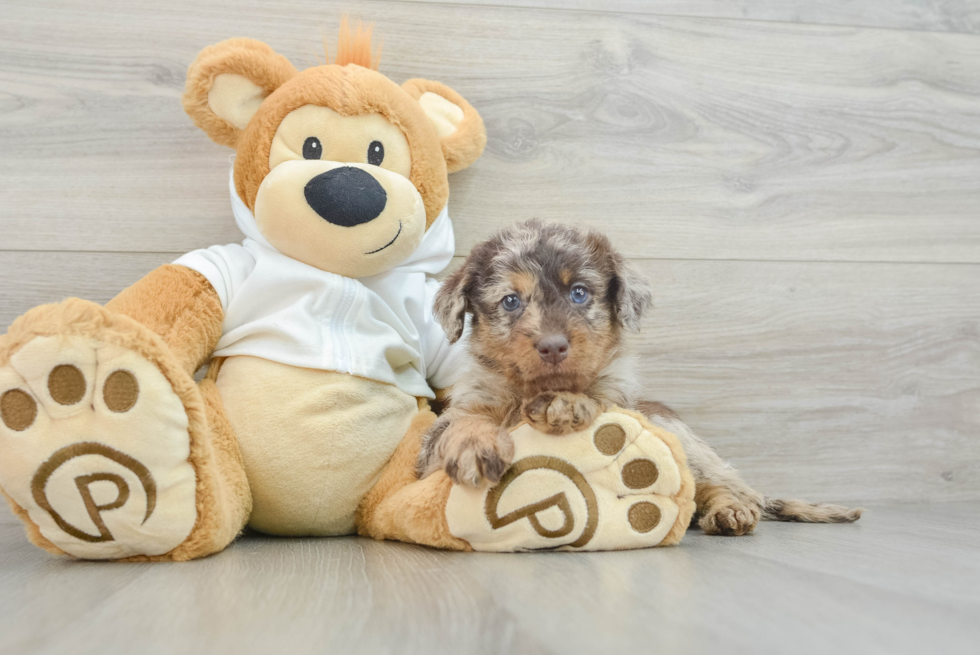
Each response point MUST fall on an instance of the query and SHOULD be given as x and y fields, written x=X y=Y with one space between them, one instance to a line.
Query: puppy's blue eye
x=579 y=294
x=511 y=302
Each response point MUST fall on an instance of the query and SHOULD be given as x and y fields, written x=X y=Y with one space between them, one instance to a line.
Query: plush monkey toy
x=322 y=349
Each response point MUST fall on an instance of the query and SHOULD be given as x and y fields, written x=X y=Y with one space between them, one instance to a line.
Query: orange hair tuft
x=354 y=46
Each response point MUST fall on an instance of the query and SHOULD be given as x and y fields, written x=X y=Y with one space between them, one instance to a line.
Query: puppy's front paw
x=561 y=412
x=472 y=451
x=732 y=518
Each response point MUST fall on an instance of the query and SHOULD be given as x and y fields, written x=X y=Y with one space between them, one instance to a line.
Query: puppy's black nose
x=346 y=196
x=553 y=348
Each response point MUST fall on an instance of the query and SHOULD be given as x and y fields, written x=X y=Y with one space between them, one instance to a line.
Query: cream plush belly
x=314 y=442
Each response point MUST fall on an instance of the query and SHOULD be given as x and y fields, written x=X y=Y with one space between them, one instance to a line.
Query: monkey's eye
x=312 y=148
x=579 y=294
x=376 y=153
x=511 y=302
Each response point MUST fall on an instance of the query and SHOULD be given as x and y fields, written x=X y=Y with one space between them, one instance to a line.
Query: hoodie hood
x=379 y=327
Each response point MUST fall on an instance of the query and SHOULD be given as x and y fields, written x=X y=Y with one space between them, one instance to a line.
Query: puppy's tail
x=800 y=511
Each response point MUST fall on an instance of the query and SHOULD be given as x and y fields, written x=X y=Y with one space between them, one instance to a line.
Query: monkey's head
x=343 y=169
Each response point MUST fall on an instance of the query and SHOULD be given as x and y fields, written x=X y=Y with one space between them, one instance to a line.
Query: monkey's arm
x=181 y=306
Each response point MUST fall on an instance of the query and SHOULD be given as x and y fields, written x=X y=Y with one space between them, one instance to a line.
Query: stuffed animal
x=322 y=347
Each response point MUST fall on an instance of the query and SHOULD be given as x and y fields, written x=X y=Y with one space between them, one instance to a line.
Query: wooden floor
x=905 y=579
x=801 y=182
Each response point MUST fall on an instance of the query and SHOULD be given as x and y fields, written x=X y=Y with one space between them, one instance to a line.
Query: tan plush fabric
x=289 y=223
x=617 y=485
x=401 y=508
x=189 y=478
x=313 y=442
x=179 y=305
x=350 y=91
x=235 y=99
x=465 y=144
x=444 y=115
x=247 y=58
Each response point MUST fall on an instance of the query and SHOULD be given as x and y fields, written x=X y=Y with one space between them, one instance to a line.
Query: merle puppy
x=548 y=307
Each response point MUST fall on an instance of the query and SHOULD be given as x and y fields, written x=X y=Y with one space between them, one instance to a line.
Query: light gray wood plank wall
x=689 y=138
x=933 y=15
x=806 y=199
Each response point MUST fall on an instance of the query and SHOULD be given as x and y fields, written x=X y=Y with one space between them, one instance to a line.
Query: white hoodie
x=379 y=327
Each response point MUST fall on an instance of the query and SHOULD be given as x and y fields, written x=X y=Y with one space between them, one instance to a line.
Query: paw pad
x=94 y=444
x=640 y=474
x=17 y=410
x=615 y=485
x=66 y=384
x=610 y=439
x=644 y=517
x=120 y=391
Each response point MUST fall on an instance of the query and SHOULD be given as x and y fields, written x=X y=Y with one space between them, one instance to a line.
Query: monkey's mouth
x=397 y=234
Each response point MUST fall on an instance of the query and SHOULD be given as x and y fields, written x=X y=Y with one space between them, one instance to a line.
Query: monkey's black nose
x=346 y=196
x=553 y=348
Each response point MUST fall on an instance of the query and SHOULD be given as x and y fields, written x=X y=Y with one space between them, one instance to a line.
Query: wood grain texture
x=28 y=279
x=826 y=381
x=850 y=382
x=683 y=138
x=901 y=580
x=934 y=15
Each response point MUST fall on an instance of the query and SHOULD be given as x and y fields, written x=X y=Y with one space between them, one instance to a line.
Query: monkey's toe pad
x=622 y=483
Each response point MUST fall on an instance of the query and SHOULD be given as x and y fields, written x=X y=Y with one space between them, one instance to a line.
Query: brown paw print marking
x=17 y=409
x=644 y=516
x=66 y=384
x=67 y=387
x=120 y=391
x=609 y=439
x=637 y=474
x=640 y=473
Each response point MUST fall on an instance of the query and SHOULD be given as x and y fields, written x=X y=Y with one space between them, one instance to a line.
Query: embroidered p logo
x=559 y=501
x=83 y=483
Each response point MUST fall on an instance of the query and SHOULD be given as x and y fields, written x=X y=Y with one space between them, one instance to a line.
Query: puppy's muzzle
x=346 y=196
x=553 y=348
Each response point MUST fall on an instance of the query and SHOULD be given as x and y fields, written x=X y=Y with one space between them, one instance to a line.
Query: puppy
x=548 y=305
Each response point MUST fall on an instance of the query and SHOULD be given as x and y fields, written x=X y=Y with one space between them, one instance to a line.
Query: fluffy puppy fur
x=548 y=305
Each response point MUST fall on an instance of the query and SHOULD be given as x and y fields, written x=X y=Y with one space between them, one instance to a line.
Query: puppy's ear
x=632 y=295
x=628 y=291
x=459 y=126
x=227 y=83
x=452 y=301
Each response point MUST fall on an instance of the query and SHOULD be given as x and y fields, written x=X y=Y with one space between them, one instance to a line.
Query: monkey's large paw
x=622 y=483
x=94 y=445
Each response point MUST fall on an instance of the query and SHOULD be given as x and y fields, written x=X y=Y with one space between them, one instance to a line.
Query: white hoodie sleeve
x=442 y=359
x=225 y=267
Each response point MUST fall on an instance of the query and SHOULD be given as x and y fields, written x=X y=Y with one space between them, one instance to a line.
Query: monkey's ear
x=459 y=126
x=227 y=83
x=452 y=301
